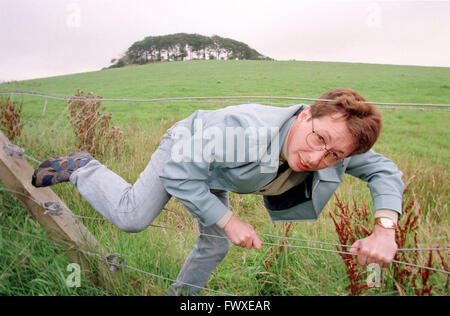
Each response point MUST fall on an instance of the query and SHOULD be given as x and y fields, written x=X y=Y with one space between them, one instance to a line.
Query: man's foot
x=59 y=169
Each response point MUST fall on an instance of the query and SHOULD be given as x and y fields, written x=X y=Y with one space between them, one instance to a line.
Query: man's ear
x=304 y=115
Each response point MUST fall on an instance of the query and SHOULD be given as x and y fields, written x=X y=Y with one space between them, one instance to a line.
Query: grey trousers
x=133 y=207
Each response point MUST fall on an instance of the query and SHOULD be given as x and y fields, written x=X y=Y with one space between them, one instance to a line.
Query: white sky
x=42 y=38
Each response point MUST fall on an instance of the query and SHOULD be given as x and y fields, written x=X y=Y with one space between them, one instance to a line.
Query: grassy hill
x=416 y=140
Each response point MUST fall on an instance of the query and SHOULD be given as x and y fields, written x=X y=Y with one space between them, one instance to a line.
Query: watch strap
x=378 y=221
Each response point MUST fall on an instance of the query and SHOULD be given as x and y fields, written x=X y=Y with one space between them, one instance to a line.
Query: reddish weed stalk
x=406 y=237
x=406 y=231
x=446 y=268
x=351 y=225
x=92 y=126
x=10 y=118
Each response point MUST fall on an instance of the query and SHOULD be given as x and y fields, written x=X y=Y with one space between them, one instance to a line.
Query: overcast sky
x=42 y=38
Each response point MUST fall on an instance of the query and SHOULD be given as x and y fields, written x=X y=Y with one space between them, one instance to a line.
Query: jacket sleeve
x=383 y=178
x=188 y=182
x=188 y=179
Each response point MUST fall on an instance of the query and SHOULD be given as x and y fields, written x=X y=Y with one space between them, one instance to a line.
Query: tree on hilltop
x=183 y=46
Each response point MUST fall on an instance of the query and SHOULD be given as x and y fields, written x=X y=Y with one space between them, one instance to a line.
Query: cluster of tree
x=183 y=46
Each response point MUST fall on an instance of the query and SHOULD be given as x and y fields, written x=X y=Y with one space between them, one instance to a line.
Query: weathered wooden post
x=64 y=229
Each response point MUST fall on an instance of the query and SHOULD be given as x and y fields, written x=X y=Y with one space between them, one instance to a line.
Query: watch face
x=386 y=222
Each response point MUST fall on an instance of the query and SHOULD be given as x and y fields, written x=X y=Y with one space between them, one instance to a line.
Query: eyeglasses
x=316 y=142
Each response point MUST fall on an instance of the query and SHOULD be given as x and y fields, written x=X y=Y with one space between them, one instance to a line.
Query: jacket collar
x=329 y=174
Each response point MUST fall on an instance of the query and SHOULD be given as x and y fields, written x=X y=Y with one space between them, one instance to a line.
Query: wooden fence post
x=65 y=229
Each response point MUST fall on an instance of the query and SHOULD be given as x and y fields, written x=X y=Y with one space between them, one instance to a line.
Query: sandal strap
x=70 y=164
x=56 y=166
x=47 y=180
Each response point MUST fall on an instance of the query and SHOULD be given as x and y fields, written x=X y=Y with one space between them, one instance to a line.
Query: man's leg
x=206 y=254
x=129 y=207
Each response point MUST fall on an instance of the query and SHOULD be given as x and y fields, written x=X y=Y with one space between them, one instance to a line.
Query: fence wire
x=52 y=210
x=47 y=212
x=116 y=265
x=225 y=99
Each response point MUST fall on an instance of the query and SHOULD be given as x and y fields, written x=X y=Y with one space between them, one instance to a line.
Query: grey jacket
x=190 y=180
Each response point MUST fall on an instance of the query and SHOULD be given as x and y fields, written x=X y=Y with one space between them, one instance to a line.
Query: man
x=295 y=157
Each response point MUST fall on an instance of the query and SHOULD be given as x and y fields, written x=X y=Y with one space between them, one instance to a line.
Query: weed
x=349 y=229
x=92 y=125
x=10 y=118
x=351 y=225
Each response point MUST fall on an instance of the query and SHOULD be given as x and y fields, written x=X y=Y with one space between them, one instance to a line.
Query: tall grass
x=30 y=266
x=271 y=271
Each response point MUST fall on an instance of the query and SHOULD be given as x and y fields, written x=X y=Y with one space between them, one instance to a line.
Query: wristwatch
x=385 y=222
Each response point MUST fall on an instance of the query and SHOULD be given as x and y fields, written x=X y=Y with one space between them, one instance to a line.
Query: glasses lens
x=314 y=141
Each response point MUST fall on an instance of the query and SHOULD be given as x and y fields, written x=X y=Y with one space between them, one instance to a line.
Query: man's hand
x=379 y=248
x=242 y=234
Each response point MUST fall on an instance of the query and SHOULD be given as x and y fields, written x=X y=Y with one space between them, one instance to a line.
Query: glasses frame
x=324 y=148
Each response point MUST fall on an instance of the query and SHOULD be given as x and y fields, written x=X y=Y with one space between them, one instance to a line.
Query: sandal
x=59 y=169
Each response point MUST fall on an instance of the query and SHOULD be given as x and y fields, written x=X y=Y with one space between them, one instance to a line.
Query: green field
x=416 y=140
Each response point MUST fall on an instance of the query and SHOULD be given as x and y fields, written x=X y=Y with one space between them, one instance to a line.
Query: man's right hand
x=242 y=234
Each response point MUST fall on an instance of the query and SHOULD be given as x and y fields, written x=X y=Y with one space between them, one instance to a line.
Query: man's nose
x=316 y=157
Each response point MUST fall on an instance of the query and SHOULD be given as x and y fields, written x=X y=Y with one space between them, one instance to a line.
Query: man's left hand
x=379 y=248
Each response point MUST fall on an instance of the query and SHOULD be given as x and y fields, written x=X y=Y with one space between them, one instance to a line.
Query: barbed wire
x=264 y=243
x=66 y=98
x=52 y=209
x=269 y=244
x=17 y=152
x=108 y=260
x=317 y=242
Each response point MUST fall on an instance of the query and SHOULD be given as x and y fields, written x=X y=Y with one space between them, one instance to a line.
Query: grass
x=416 y=141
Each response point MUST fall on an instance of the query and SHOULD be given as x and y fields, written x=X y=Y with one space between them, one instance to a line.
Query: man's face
x=301 y=157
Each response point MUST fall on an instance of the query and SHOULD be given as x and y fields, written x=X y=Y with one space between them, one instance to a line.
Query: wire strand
x=265 y=243
x=301 y=247
x=8 y=229
x=74 y=98
x=197 y=99
x=261 y=234
x=318 y=242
